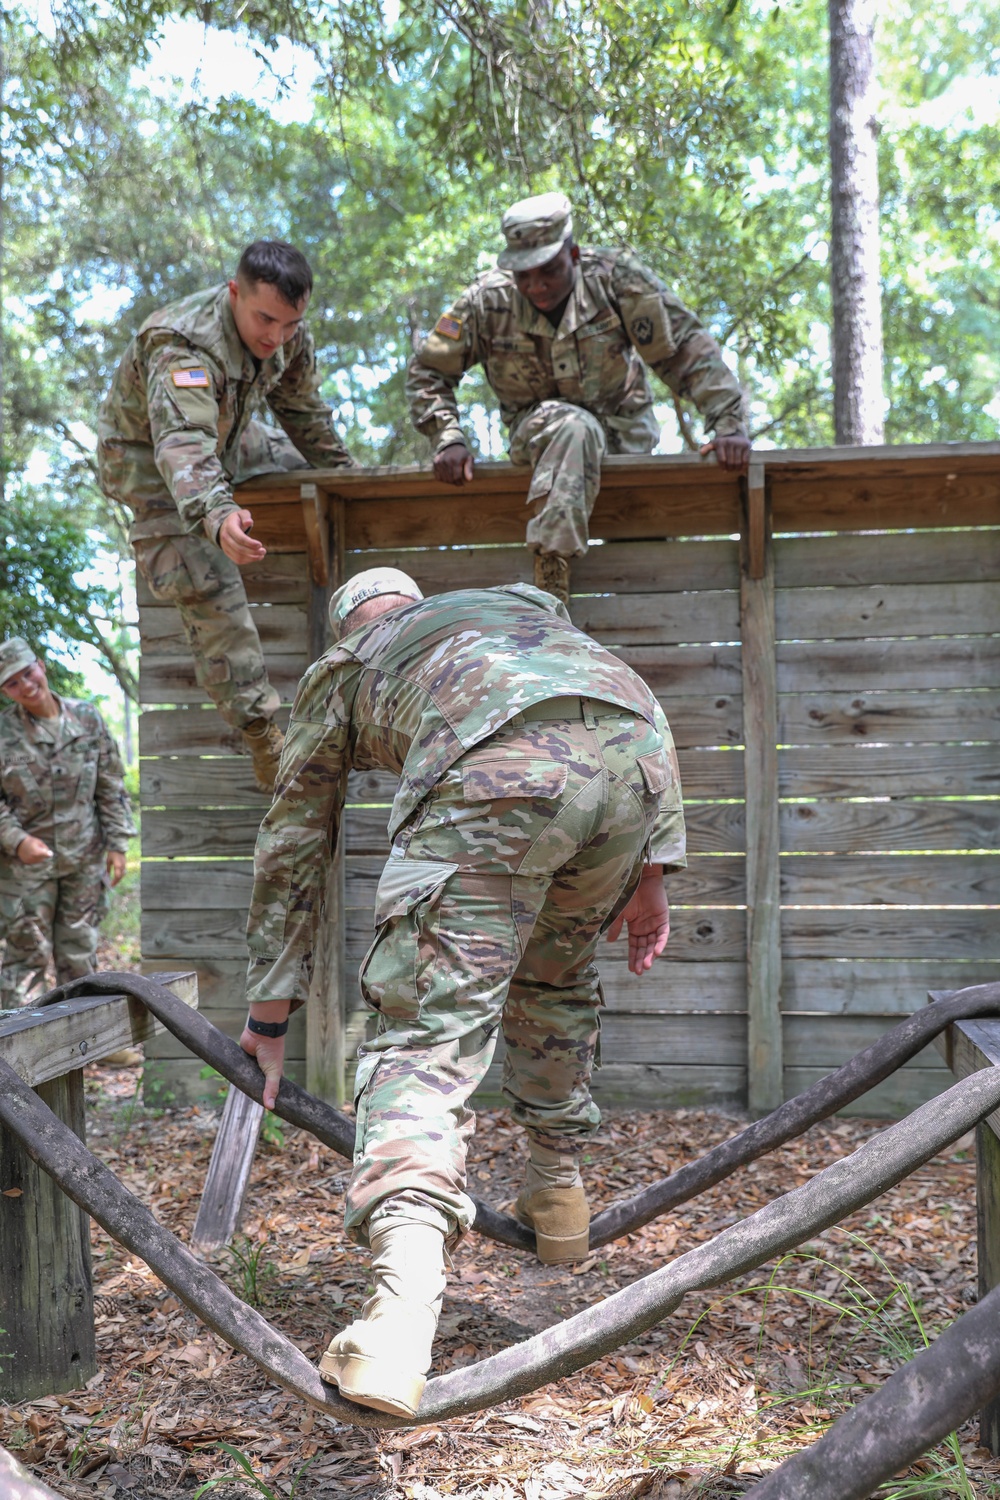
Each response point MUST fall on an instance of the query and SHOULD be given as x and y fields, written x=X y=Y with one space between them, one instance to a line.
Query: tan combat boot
x=552 y=574
x=554 y=1204
x=263 y=741
x=382 y=1360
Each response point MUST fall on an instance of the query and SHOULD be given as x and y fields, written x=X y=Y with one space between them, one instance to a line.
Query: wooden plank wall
x=882 y=649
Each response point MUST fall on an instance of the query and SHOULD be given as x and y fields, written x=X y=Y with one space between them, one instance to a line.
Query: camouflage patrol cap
x=535 y=230
x=15 y=655
x=368 y=585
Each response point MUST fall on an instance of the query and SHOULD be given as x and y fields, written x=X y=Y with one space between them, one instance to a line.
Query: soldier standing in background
x=565 y=336
x=179 y=428
x=538 y=807
x=65 y=820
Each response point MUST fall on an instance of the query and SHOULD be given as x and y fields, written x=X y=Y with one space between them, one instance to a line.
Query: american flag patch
x=449 y=326
x=188 y=378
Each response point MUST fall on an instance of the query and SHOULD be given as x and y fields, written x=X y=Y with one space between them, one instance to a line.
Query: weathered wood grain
x=228 y=1175
x=829 y=1041
x=899 y=1095
x=890 y=932
x=891 y=880
x=276 y=579
x=988 y=1252
x=888 y=717
x=172 y=680
x=843 y=827
x=190 y=731
x=890 y=771
x=46 y=1289
x=760 y=719
x=659 y=619
x=876 y=986
x=898 y=557
x=871 y=666
x=880 y=610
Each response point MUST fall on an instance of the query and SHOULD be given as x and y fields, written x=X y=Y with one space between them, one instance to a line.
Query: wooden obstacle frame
x=824 y=636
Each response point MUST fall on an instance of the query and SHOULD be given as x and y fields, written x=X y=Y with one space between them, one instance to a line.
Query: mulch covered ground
x=702 y=1405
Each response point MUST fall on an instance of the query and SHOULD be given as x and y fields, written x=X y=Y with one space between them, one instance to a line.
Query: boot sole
x=367 y=1381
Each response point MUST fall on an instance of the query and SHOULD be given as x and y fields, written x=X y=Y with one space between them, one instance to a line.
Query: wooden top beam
x=646 y=495
x=969 y=1047
x=57 y=1039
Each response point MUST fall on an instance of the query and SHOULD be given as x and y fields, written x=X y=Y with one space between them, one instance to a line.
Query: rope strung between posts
x=822 y=1099
x=556 y=1352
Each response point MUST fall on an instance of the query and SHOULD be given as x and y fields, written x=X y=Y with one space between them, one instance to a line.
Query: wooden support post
x=228 y=1175
x=46 y=1290
x=325 y=1006
x=988 y=1246
x=760 y=737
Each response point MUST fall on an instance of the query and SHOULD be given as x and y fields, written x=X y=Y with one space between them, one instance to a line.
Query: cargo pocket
x=408 y=890
x=657 y=772
x=492 y=781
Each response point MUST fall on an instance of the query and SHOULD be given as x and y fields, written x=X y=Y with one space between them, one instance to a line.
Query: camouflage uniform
x=60 y=781
x=568 y=395
x=536 y=774
x=173 y=451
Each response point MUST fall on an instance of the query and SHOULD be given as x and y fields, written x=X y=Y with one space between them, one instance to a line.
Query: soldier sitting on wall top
x=65 y=822
x=565 y=336
x=179 y=428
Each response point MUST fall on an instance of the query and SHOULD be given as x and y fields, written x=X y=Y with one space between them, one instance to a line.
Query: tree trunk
x=854 y=240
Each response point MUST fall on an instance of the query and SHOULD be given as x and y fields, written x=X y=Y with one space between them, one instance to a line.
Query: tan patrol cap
x=535 y=230
x=368 y=585
x=15 y=655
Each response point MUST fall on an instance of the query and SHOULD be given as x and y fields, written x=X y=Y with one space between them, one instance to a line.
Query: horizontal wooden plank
x=276 y=579
x=683 y=671
x=190 y=885
x=281 y=627
x=231 y=1020
x=872 y=666
x=899 y=1095
x=829 y=1041
x=716 y=1040
x=608 y=568
x=900 y=609
x=880 y=827
x=710 y=933
x=172 y=680
x=228 y=780
x=232 y=831
x=891 y=879
x=889 y=717
x=58 y=1039
x=190 y=731
x=890 y=771
x=659 y=619
x=889 y=932
x=901 y=557
x=878 y=499
x=876 y=986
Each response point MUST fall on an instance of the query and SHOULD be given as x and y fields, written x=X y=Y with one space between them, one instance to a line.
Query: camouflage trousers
x=488 y=916
x=564 y=445
x=209 y=594
x=45 y=916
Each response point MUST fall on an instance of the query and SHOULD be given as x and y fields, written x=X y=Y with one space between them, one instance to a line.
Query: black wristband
x=266 y=1028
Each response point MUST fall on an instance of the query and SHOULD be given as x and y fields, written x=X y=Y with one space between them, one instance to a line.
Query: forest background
x=694 y=132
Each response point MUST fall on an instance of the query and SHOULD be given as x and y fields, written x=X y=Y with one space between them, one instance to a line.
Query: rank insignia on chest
x=642 y=330
x=188 y=378
x=449 y=327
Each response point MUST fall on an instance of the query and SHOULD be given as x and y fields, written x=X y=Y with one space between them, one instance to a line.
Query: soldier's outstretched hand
x=236 y=542
x=647 y=917
x=732 y=451
x=453 y=465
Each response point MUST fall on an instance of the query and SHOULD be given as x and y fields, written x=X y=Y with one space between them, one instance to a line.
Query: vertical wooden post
x=760 y=737
x=988 y=1247
x=46 y=1290
x=325 y=1006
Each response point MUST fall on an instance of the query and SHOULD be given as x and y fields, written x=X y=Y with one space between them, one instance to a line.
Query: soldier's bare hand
x=235 y=541
x=647 y=917
x=453 y=465
x=32 y=851
x=116 y=865
x=270 y=1054
x=732 y=452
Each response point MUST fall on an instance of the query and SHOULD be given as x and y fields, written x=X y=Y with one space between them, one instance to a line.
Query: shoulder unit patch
x=448 y=326
x=187 y=379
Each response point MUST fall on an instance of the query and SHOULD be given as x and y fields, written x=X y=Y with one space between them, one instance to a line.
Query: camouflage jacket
x=411 y=693
x=620 y=318
x=61 y=781
x=169 y=449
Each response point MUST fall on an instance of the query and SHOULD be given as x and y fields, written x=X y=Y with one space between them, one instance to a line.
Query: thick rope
x=822 y=1099
x=843 y=1187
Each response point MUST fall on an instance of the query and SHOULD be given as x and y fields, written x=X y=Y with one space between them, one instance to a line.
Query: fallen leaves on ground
x=713 y=1397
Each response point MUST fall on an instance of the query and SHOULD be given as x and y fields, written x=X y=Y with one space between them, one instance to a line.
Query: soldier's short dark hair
x=280 y=265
